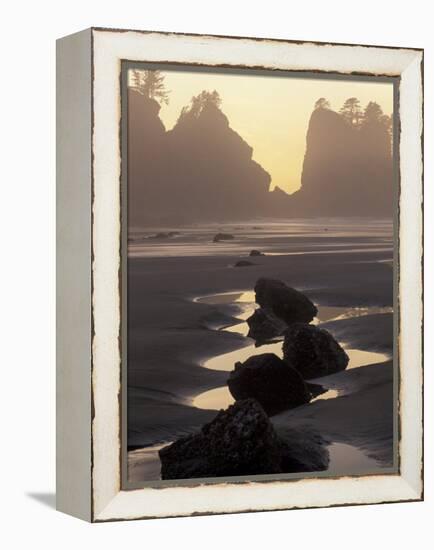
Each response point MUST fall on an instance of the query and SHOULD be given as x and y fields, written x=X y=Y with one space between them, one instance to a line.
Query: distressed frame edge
x=73 y=275
x=125 y=65
x=253 y=38
x=410 y=490
x=411 y=253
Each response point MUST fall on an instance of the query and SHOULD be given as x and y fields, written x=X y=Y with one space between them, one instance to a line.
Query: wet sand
x=172 y=335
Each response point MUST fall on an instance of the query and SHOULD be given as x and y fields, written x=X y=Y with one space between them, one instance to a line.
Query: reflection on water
x=344 y=460
x=325 y=313
x=299 y=236
x=246 y=303
x=227 y=298
x=363 y=311
x=329 y=394
x=144 y=463
x=214 y=400
x=348 y=460
x=219 y=398
x=359 y=358
x=333 y=251
x=226 y=361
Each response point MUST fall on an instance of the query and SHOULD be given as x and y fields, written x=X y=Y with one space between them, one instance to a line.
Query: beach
x=187 y=303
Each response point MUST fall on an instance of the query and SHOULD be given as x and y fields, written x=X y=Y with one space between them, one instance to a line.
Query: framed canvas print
x=239 y=260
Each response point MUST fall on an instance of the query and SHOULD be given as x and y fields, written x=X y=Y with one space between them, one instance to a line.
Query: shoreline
x=343 y=447
x=176 y=333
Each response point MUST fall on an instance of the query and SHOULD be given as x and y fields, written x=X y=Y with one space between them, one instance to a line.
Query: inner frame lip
x=246 y=70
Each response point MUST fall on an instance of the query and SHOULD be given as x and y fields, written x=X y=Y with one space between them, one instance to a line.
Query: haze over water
x=286 y=103
x=302 y=236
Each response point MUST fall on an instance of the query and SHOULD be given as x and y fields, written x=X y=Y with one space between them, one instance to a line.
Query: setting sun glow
x=271 y=113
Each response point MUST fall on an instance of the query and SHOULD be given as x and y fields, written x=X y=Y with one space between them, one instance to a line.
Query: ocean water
x=220 y=398
x=298 y=236
x=295 y=237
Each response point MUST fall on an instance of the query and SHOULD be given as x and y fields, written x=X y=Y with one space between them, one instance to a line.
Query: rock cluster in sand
x=241 y=441
x=308 y=351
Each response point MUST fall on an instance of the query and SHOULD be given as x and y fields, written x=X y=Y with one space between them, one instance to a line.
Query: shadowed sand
x=171 y=336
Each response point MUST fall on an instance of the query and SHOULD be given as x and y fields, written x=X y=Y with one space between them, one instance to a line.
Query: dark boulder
x=264 y=325
x=256 y=253
x=287 y=303
x=241 y=441
x=269 y=380
x=313 y=351
x=223 y=237
x=243 y=263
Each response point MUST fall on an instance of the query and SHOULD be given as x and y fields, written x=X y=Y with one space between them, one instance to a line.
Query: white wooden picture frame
x=89 y=403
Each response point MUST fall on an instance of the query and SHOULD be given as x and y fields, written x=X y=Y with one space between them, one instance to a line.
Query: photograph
x=217 y=235
x=259 y=274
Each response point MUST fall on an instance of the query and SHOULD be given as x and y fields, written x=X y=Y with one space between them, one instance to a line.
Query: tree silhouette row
x=203 y=170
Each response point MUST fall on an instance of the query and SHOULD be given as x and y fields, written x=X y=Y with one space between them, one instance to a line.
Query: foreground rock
x=240 y=441
x=287 y=303
x=223 y=237
x=269 y=380
x=313 y=351
x=264 y=325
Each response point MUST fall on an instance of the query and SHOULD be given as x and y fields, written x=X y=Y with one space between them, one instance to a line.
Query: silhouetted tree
x=322 y=103
x=387 y=122
x=351 y=111
x=199 y=102
x=373 y=113
x=150 y=84
x=374 y=118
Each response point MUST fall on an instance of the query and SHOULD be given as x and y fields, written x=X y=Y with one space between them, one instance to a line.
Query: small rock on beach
x=222 y=237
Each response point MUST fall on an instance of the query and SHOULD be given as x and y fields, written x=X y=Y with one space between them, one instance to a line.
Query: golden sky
x=271 y=113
